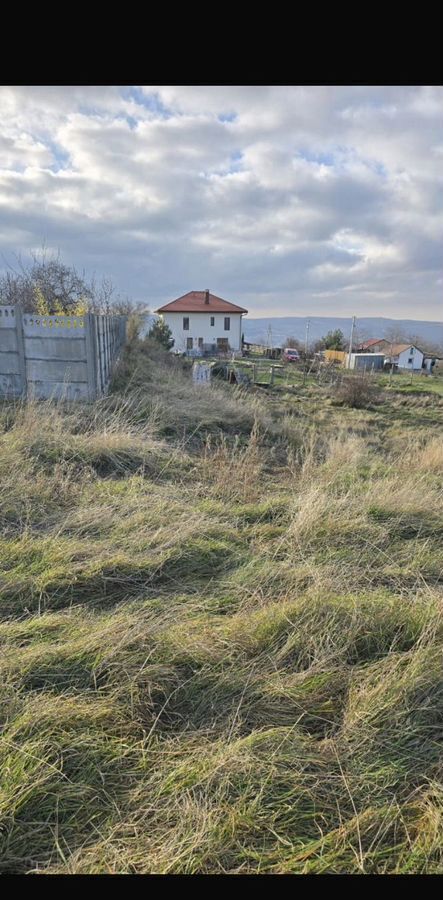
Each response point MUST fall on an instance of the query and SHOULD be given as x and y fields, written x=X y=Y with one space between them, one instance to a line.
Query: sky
x=287 y=200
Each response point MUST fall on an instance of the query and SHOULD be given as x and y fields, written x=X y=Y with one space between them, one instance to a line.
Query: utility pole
x=308 y=323
x=306 y=350
x=351 y=339
x=269 y=346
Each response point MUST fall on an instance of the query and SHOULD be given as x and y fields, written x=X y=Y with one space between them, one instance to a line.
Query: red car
x=291 y=354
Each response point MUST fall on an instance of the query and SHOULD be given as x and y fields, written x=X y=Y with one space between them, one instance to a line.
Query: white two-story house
x=200 y=320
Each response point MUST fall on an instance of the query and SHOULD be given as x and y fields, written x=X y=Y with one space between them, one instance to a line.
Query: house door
x=189 y=343
x=223 y=344
x=200 y=343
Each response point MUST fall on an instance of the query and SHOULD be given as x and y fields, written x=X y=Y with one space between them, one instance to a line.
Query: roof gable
x=194 y=301
x=372 y=342
x=396 y=349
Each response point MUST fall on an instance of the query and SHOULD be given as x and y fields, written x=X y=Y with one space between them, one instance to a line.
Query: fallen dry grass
x=221 y=628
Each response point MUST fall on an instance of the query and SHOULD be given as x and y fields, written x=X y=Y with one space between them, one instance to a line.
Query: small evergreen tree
x=161 y=333
x=334 y=340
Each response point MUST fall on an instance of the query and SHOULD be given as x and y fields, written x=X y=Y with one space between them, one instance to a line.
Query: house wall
x=406 y=355
x=380 y=347
x=200 y=327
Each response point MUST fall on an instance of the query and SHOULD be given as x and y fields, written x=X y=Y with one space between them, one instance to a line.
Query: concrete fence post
x=21 y=349
x=90 y=341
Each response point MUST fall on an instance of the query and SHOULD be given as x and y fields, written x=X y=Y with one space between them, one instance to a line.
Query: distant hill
x=283 y=327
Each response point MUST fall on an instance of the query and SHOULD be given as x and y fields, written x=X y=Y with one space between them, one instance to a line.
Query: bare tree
x=44 y=284
x=431 y=348
x=361 y=335
x=293 y=342
x=395 y=334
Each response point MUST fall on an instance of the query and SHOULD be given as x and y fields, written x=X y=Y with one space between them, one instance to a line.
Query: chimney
x=207 y=295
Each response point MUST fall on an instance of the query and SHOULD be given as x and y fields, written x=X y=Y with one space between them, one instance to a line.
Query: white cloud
x=287 y=199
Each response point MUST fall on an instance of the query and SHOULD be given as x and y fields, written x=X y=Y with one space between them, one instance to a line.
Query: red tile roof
x=372 y=342
x=194 y=301
x=396 y=349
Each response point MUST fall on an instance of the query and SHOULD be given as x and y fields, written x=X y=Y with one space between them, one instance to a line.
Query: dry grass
x=221 y=627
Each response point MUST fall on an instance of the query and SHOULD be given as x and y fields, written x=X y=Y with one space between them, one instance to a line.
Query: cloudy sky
x=288 y=200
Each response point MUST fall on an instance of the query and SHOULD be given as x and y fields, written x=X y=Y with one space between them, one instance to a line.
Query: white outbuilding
x=201 y=321
x=405 y=356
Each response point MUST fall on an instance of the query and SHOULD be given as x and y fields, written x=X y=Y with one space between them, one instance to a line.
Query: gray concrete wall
x=12 y=371
x=63 y=357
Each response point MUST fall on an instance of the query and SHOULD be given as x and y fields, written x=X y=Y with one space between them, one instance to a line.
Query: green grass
x=221 y=630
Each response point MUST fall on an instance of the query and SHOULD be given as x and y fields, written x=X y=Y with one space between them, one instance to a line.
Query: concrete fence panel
x=12 y=368
x=65 y=357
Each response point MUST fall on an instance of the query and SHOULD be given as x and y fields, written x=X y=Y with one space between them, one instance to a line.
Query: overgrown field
x=221 y=628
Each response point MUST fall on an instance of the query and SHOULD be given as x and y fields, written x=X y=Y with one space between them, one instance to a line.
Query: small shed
x=366 y=361
x=430 y=363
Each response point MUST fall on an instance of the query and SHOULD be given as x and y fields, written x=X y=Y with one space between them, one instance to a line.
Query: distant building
x=261 y=350
x=405 y=356
x=366 y=361
x=430 y=363
x=374 y=345
x=201 y=321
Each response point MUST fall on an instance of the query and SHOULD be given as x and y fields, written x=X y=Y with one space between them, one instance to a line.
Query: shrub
x=357 y=391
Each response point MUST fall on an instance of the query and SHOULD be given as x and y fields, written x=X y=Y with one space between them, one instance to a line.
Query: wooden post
x=253 y=374
x=272 y=375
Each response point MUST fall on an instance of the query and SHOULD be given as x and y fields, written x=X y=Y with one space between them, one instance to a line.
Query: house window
x=189 y=343
x=185 y=323
x=227 y=323
x=410 y=360
x=212 y=320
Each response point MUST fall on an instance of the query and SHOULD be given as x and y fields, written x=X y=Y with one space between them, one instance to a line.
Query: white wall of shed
x=405 y=355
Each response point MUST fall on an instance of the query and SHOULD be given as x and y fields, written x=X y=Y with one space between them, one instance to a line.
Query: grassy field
x=221 y=627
